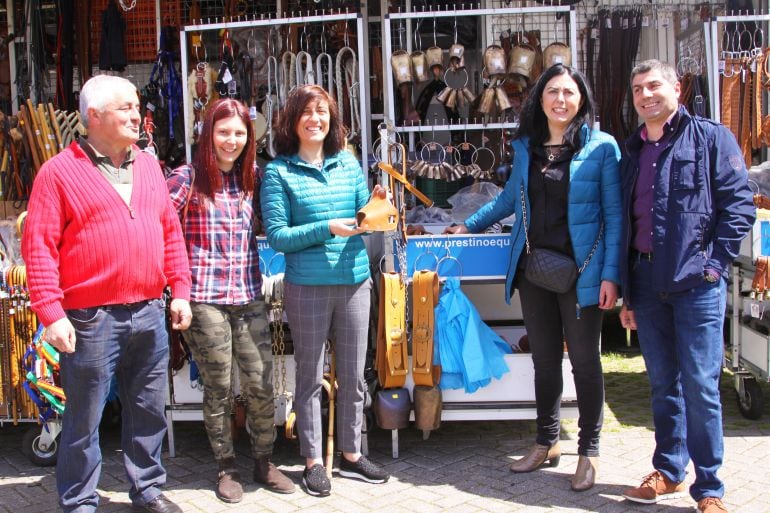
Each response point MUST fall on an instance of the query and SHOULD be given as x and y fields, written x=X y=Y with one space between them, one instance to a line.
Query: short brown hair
x=286 y=138
x=666 y=70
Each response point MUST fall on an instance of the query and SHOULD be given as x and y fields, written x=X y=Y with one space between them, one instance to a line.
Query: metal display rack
x=308 y=19
x=748 y=355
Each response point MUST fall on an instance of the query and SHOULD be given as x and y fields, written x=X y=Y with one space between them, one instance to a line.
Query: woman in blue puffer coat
x=565 y=186
x=310 y=195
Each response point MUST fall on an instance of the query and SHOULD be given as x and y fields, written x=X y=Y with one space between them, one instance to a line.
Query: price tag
x=227 y=77
x=684 y=22
x=645 y=21
x=755 y=311
x=252 y=113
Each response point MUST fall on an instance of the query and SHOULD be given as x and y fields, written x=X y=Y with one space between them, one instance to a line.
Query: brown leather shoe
x=711 y=505
x=585 y=473
x=229 y=487
x=268 y=474
x=655 y=488
x=536 y=457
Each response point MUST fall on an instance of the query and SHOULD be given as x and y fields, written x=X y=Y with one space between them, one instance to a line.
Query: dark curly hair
x=286 y=138
x=533 y=122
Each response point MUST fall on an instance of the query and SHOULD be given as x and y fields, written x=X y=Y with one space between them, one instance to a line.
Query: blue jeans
x=680 y=335
x=130 y=342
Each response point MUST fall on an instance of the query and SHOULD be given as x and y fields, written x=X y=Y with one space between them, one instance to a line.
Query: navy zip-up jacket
x=702 y=206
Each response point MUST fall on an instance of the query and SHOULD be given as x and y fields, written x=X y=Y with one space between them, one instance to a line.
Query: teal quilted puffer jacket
x=298 y=201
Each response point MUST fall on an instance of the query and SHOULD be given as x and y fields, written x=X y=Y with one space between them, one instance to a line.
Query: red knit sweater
x=84 y=247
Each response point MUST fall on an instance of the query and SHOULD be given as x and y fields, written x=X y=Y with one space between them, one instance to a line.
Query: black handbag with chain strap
x=549 y=269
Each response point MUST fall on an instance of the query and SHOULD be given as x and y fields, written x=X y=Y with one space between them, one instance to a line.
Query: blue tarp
x=470 y=353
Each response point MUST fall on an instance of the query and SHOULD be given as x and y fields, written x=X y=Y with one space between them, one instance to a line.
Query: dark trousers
x=551 y=318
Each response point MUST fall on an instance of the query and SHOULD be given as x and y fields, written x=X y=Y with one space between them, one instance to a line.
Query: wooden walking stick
x=332 y=393
x=56 y=128
x=25 y=123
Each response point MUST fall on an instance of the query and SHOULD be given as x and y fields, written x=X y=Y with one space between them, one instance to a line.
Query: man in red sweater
x=101 y=242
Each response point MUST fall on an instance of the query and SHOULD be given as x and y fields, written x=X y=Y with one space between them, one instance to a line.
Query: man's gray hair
x=666 y=70
x=100 y=90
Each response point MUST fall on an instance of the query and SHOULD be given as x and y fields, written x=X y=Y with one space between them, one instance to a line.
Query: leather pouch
x=392 y=408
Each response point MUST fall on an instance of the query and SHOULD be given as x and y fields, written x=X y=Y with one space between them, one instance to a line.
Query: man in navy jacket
x=687 y=206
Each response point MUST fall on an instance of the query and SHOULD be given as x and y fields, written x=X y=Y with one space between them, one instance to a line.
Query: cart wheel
x=36 y=454
x=750 y=404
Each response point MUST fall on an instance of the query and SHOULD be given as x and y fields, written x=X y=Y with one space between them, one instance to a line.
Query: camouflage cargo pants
x=221 y=337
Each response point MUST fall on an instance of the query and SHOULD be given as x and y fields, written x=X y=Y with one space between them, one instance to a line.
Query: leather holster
x=379 y=215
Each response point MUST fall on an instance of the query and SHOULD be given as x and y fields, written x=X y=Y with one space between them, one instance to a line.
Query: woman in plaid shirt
x=215 y=197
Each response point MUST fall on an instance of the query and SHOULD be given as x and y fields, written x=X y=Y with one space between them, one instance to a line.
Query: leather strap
x=391 y=360
x=424 y=297
x=746 y=101
x=756 y=101
x=731 y=99
x=401 y=177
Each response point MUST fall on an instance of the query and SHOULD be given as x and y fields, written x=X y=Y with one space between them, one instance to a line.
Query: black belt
x=640 y=255
x=132 y=306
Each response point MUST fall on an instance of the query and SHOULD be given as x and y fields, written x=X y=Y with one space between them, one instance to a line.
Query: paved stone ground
x=463 y=467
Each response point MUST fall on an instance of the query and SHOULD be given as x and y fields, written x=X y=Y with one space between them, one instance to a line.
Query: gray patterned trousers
x=316 y=313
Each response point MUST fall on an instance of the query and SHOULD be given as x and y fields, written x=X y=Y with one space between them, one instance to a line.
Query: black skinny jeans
x=549 y=319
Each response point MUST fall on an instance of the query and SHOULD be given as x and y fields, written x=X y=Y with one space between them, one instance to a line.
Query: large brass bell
x=522 y=60
x=419 y=66
x=434 y=57
x=557 y=53
x=494 y=60
x=402 y=66
x=456 y=52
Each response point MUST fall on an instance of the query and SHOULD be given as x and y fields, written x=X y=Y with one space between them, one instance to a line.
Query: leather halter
x=324 y=60
x=304 y=69
x=346 y=71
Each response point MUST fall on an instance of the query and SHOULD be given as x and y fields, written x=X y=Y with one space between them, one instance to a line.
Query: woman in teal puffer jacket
x=310 y=195
x=566 y=176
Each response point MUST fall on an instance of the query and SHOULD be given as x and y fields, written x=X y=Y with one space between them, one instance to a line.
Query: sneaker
x=711 y=505
x=315 y=481
x=363 y=469
x=655 y=488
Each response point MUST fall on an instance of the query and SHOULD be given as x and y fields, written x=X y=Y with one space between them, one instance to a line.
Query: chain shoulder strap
x=526 y=237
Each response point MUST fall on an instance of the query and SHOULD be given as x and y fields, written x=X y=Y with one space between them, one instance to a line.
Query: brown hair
x=208 y=177
x=286 y=138
x=666 y=70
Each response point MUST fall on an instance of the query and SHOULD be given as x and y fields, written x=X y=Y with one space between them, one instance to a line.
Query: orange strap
x=424 y=297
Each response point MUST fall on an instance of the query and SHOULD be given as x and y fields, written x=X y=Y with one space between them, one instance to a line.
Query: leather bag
x=551 y=270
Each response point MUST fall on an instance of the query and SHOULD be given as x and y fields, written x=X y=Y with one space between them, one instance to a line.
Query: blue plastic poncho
x=470 y=353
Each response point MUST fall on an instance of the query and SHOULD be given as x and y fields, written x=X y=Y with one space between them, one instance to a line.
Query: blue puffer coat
x=298 y=201
x=594 y=197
